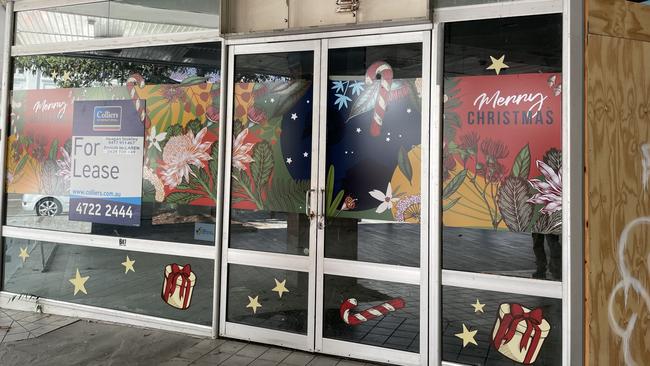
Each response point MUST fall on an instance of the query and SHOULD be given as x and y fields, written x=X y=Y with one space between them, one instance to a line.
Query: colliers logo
x=107 y=118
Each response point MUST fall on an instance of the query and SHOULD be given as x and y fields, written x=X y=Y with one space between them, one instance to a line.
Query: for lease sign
x=107 y=151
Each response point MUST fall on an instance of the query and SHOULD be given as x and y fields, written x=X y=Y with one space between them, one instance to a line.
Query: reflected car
x=45 y=205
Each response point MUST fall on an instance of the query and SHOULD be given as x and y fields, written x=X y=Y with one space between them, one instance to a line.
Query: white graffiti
x=645 y=163
x=628 y=279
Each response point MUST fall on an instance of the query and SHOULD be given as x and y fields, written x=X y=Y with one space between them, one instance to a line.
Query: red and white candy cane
x=136 y=80
x=368 y=314
x=384 y=70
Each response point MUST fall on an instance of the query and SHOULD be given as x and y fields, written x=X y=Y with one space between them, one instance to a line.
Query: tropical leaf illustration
x=287 y=195
x=553 y=158
x=365 y=101
x=454 y=184
x=286 y=96
x=54 y=148
x=514 y=209
x=521 y=165
x=451 y=204
x=404 y=163
x=333 y=203
x=182 y=197
x=262 y=165
x=549 y=224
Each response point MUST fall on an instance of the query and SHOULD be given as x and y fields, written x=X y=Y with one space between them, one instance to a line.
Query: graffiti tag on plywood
x=629 y=280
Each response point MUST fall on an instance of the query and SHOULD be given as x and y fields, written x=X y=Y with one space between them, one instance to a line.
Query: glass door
x=268 y=266
x=372 y=223
x=327 y=247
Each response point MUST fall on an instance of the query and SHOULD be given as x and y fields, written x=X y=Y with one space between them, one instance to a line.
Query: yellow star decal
x=54 y=74
x=128 y=265
x=280 y=287
x=254 y=304
x=478 y=306
x=79 y=282
x=467 y=336
x=498 y=64
x=23 y=254
x=66 y=76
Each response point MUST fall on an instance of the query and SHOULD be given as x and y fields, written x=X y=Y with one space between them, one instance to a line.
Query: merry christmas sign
x=502 y=152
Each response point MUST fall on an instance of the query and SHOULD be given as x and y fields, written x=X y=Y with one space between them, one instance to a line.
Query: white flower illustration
x=550 y=191
x=386 y=199
x=182 y=151
x=154 y=139
x=241 y=151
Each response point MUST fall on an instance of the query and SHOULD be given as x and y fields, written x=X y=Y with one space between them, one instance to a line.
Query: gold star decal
x=467 y=336
x=254 y=304
x=54 y=74
x=478 y=306
x=128 y=265
x=280 y=287
x=23 y=254
x=498 y=64
x=66 y=76
x=79 y=282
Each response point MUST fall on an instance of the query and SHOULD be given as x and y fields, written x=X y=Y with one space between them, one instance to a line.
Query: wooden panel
x=618 y=131
x=619 y=18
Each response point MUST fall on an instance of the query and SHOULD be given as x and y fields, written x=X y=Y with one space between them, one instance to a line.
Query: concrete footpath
x=28 y=338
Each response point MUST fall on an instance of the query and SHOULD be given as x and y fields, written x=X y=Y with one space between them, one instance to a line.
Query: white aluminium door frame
x=262 y=259
x=411 y=275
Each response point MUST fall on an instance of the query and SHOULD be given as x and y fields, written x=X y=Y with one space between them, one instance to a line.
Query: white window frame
x=208 y=252
x=570 y=289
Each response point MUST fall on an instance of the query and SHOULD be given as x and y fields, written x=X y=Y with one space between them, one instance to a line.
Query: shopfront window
x=502 y=147
x=115 y=18
x=502 y=190
x=171 y=94
x=179 y=288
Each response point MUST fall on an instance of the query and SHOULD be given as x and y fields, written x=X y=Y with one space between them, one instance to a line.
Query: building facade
x=398 y=182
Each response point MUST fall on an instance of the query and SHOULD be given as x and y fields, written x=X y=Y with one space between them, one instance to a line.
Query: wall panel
x=618 y=200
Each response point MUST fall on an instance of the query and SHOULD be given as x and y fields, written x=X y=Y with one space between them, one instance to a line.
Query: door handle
x=322 y=213
x=310 y=214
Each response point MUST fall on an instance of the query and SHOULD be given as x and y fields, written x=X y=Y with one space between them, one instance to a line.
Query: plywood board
x=619 y=18
x=618 y=200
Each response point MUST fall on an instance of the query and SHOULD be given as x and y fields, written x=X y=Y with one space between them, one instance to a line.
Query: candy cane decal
x=131 y=83
x=368 y=314
x=384 y=70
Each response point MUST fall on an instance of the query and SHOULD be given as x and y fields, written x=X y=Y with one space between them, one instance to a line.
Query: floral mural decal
x=181 y=122
x=271 y=150
x=501 y=162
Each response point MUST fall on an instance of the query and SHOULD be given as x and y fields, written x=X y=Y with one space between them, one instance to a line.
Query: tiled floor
x=19 y=325
x=41 y=339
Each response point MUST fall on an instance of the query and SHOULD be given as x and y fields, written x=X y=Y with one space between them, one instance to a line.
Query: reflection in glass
x=502 y=147
x=109 y=19
x=396 y=329
x=175 y=87
x=271 y=152
x=113 y=279
x=489 y=314
x=268 y=298
x=373 y=160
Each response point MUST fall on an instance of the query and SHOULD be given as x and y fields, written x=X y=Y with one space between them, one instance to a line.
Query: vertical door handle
x=310 y=214
x=322 y=213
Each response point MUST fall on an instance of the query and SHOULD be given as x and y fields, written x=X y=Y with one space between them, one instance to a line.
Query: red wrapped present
x=519 y=332
x=178 y=285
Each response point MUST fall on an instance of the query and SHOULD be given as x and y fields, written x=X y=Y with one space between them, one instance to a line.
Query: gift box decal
x=178 y=285
x=519 y=333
